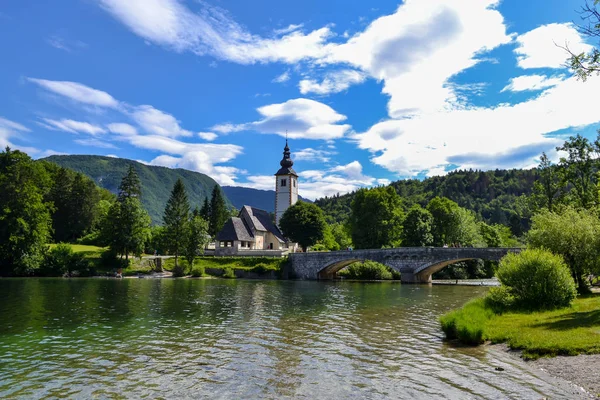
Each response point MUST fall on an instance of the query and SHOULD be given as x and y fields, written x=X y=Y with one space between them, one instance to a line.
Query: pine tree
x=205 y=210
x=130 y=185
x=218 y=212
x=176 y=220
x=127 y=226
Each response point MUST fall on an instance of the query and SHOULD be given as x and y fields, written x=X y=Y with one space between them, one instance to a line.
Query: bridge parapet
x=416 y=264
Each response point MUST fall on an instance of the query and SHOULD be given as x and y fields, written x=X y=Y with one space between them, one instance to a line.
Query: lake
x=186 y=338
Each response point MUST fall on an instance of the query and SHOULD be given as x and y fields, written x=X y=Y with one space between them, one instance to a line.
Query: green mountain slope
x=157 y=182
x=495 y=196
x=243 y=196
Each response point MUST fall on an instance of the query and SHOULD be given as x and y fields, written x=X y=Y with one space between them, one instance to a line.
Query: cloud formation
x=301 y=118
x=532 y=82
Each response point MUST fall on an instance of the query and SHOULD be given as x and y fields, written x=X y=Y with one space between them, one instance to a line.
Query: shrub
x=110 y=259
x=500 y=299
x=228 y=273
x=467 y=324
x=537 y=279
x=261 y=268
x=179 y=269
x=61 y=259
x=91 y=239
x=368 y=270
x=198 y=271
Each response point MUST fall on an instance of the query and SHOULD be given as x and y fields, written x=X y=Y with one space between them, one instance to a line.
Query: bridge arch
x=329 y=271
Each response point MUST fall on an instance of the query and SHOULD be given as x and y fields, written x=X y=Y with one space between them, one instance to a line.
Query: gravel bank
x=582 y=371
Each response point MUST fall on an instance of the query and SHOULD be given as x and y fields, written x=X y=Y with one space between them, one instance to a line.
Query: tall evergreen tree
x=547 y=190
x=130 y=185
x=60 y=196
x=205 y=210
x=25 y=220
x=176 y=220
x=127 y=226
x=85 y=198
x=218 y=212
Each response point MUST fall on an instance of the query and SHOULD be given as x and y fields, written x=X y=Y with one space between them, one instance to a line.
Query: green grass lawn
x=243 y=263
x=568 y=331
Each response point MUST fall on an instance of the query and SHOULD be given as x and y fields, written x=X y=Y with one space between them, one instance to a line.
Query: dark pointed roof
x=262 y=222
x=286 y=162
x=235 y=229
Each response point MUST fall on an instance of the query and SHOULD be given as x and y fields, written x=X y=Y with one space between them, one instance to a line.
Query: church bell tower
x=286 y=185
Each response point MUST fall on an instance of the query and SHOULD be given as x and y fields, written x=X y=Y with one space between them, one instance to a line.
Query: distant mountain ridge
x=263 y=199
x=157 y=182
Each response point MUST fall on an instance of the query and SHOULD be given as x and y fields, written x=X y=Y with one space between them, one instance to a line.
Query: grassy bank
x=260 y=265
x=568 y=331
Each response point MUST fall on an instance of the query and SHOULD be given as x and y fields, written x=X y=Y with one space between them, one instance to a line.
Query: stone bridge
x=415 y=264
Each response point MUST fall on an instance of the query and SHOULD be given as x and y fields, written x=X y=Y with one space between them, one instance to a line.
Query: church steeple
x=286 y=162
x=286 y=184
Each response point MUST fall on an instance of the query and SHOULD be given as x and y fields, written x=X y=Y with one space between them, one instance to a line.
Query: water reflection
x=136 y=338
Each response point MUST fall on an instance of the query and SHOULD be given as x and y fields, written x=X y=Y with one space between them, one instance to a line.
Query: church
x=253 y=232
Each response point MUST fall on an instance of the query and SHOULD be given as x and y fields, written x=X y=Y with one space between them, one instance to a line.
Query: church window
x=283 y=182
x=294 y=182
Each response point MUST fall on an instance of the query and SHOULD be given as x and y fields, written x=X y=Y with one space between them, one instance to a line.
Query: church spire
x=286 y=162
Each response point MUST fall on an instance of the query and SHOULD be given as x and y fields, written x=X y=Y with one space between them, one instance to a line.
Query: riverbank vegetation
x=369 y=271
x=535 y=310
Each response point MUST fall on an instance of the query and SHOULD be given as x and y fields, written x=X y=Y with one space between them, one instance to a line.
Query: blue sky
x=369 y=94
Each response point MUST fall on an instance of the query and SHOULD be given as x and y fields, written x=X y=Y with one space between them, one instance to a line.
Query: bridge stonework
x=415 y=264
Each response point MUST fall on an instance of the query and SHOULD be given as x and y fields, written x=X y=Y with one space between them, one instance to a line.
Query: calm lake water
x=143 y=338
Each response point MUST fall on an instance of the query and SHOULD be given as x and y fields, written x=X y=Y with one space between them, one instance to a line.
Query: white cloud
x=282 y=78
x=532 y=82
x=302 y=118
x=313 y=155
x=61 y=43
x=69 y=125
x=122 y=129
x=10 y=130
x=210 y=136
x=211 y=31
x=539 y=48
x=77 y=92
x=506 y=136
x=288 y=29
x=334 y=82
x=93 y=142
x=157 y=122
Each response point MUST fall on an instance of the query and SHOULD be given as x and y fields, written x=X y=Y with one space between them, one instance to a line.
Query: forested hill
x=263 y=199
x=157 y=182
x=493 y=195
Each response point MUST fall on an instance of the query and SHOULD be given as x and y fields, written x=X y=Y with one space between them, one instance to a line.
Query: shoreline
x=580 y=371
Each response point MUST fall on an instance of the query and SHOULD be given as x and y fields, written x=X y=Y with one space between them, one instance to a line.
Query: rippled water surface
x=142 y=338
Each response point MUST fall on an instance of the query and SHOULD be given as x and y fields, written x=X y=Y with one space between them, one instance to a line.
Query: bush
x=110 y=259
x=61 y=260
x=537 y=279
x=179 y=269
x=261 y=268
x=369 y=270
x=228 y=273
x=500 y=299
x=467 y=324
x=198 y=271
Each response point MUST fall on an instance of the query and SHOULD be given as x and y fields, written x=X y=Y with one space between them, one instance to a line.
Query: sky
x=368 y=92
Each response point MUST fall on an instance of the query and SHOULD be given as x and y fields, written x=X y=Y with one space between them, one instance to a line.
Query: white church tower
x=286 y=185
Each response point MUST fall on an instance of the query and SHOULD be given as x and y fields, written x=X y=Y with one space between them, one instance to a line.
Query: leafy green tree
x=197 y=237
x=573 y=234
x=176 y=220
x=85 y=199
x=25 y=220
x=445 y=219
x=417 y=228
x=376 y=218
x=303 y=223
x=578 y=168
x=218 y=212
x=490 y=235
x=328 y=242
x=585 y=64
x=547 y=190
x=60 y=196
x=341 y=235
